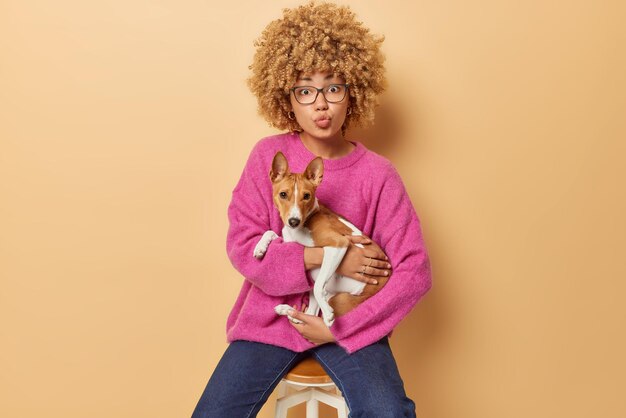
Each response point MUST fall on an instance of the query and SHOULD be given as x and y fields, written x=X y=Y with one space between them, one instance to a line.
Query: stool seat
x=311 y=385
x=308 y=371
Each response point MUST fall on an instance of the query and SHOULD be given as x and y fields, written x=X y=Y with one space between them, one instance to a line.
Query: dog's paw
x=283 y=310
x=261 y=248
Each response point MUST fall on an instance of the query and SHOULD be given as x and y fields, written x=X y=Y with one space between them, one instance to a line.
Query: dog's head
x=294 y=193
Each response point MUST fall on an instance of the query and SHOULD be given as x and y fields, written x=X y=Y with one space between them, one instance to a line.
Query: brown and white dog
x=311 y=224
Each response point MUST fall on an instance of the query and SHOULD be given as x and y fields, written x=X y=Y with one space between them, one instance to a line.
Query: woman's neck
x=330 y=148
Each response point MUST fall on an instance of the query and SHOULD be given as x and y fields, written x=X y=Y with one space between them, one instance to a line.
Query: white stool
x=309 y=383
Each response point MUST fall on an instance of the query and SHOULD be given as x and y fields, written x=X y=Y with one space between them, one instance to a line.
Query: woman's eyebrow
x=310 y=79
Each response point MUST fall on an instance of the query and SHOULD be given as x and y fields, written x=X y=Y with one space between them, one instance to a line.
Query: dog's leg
x=264 y=242
x=314 y=307
x=332 y=259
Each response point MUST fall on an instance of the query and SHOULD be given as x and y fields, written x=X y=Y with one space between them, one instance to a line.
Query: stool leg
x=282 y=389
x=331 y=399
x=312 y=409
x=283 y=404
x=343 y=413
x=281 y=411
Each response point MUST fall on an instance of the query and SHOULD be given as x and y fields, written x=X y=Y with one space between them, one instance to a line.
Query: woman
x=317 y=71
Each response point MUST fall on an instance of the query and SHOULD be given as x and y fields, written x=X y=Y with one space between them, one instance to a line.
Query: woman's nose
x=320 y=102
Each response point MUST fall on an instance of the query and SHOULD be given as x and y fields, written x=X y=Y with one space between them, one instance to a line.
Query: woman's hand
x=312 y=327
x=364 y=264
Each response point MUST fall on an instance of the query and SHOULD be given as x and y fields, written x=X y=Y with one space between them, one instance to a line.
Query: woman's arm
x=282 y=269
x=397 y=229
x=370 y=255
x=313 y=257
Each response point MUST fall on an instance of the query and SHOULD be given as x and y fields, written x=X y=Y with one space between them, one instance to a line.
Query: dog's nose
x=293 y=222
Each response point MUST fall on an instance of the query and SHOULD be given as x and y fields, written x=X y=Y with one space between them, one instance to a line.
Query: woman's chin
x=323 y=133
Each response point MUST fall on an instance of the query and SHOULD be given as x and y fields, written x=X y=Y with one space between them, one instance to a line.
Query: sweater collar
x=305 y=156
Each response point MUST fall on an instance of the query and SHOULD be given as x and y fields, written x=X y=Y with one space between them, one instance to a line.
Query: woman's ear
x=293 y=123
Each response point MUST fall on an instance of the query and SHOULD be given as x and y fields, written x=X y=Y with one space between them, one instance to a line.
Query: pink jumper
x=362 y=186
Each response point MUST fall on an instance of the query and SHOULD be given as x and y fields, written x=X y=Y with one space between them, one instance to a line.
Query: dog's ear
x=280 y=168
x=315 y=171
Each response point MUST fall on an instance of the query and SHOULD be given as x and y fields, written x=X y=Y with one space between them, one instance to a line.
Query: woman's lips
x=322 y=123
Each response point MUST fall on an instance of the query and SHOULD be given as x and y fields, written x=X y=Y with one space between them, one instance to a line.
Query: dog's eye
x=283 y=195
x=306 y=196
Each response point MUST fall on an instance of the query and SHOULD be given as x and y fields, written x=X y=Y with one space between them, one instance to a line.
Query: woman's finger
x=378 y=264
x=373 y=271
x=372 y=253
x=359 y=239
x=365 y=278
x=362 y=276
x=297 y=315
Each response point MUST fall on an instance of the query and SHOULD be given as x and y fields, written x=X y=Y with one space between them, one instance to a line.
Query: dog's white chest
x=300 y=235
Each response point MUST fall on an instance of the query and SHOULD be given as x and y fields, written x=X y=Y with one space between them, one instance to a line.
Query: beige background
x=124 y=126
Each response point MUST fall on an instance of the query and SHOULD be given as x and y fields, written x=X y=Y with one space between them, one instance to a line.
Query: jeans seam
x=271 y=384
x=336 y=378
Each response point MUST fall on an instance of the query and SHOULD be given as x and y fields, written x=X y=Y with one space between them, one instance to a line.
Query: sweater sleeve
x=397 y=230
x=281 y=271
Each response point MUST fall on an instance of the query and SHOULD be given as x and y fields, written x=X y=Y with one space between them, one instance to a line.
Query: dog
x=311 y=224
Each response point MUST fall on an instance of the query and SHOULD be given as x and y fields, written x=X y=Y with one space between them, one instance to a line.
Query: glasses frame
x=318 y=91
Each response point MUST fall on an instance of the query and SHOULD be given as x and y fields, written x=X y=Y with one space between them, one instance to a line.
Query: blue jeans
x=249 y=371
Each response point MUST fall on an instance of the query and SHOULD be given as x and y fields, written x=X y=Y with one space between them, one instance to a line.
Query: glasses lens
x=335 y=92
x=305 y=95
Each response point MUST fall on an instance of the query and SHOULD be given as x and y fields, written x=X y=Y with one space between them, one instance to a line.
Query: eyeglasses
x=333 y=93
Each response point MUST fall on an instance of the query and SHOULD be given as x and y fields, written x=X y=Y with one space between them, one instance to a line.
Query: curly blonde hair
x=317 y=37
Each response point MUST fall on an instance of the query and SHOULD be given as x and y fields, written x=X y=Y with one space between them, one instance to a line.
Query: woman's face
x=320 y=118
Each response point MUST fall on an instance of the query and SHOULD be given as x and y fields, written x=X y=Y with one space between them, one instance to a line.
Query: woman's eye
x=304 y=92
x=283 y=195
x=333 y=89
x=307 y=196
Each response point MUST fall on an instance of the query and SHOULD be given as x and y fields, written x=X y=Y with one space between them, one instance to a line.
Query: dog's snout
x=293 y=222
